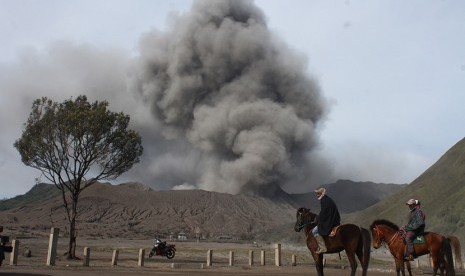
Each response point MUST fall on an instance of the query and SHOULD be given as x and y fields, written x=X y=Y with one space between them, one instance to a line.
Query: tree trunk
x=72 y=231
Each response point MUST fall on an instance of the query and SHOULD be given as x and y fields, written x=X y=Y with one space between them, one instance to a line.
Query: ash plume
x=219 y=80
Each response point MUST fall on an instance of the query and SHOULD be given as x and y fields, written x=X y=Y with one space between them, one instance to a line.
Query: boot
x=409 y=253
x=321 y=245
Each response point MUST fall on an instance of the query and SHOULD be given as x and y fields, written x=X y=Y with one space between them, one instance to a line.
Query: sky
x=392 y=74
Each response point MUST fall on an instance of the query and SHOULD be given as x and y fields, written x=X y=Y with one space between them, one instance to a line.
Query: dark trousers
x=409 y=236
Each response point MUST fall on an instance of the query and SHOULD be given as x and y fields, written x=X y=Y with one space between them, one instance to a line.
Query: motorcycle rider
x=159 y=244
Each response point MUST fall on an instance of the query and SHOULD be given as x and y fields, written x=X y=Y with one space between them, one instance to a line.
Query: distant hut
x=182 y=236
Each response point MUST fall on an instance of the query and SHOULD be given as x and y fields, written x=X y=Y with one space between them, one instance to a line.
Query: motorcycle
x=162 y=249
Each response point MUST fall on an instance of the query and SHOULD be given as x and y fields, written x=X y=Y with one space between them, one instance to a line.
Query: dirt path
x=273 y=271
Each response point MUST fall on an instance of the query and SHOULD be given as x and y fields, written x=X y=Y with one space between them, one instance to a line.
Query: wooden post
x=14 y=252
x=209 y=257
x=231 y=258
x=251 y=257
x=277 y=255
x=141 y=257
x=86 y=256
x=52 y=246
x=114 y=258
x=293 y=260
x=262 y=257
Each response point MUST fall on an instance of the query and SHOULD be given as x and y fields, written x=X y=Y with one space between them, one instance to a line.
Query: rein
x=302 y=226
x=392 y=239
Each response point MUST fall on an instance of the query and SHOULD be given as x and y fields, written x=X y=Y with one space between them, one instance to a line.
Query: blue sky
x=393 y=72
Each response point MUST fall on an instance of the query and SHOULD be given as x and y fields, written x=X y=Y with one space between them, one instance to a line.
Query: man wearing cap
x=414 y=227
x=326 y=220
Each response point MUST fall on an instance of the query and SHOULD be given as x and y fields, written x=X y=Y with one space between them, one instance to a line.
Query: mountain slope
x=134 y=209
x=441 y=190
x=349 y=196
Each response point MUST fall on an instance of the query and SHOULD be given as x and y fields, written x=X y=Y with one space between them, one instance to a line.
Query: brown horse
x=349 y=237
x=455 y=243
x=436 y=245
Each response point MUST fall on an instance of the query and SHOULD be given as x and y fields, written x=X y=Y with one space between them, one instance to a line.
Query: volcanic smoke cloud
x=221 y=81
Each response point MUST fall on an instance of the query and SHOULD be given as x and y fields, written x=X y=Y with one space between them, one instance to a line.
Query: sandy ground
x=190 y=259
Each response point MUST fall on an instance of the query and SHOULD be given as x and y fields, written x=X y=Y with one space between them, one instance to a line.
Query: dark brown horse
x=349 y=237
x=455 y=243
x=436 y=245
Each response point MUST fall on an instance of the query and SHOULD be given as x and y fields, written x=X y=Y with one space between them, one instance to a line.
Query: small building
x=182 y=236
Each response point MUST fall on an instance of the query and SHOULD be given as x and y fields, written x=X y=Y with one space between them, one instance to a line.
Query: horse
x=436 y=245
x=455 y=243
x=349 y=237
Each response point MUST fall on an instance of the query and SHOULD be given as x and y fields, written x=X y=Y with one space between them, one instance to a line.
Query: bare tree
x=75 y=144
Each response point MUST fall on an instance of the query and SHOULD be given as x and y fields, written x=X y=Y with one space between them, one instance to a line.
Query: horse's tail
x=448 y=254
x=366 y=246
x=454 y=242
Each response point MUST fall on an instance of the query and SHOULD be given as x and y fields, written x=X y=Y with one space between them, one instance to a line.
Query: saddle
x=333 y=232
x=420 y=239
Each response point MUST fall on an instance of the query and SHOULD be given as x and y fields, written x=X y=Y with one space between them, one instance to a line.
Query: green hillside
x=441 y=190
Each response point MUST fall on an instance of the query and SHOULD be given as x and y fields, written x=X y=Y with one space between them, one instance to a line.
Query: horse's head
x=378 y=236
x=303 y=218
x=379 y=230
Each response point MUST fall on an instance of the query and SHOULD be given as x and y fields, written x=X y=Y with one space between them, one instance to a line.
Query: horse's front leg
x=400 y=269
x=318 y=259
x=409 y=268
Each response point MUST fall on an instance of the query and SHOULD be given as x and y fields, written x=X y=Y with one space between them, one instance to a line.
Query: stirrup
x=409 y=258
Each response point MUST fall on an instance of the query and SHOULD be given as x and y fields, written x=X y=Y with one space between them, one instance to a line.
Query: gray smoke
x=238 y=100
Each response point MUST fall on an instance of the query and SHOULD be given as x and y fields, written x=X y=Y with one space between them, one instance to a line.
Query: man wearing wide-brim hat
x=327 y=219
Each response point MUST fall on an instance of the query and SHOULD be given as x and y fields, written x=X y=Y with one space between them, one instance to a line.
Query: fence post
x=86 y=256
x=231 y=258
x=277 y=254
x=250 y=257
x=14 y=252
x=209 y=257
x=114 y=258
x=141 y=257
x=293 y=260
x=52 y=246
x=262 y=257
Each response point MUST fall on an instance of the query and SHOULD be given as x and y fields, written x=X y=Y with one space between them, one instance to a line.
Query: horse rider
x=414 y=227
x=327 y=219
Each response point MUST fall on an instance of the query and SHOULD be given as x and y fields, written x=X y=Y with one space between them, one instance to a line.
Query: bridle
x=302 y=225
x=379 y=233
